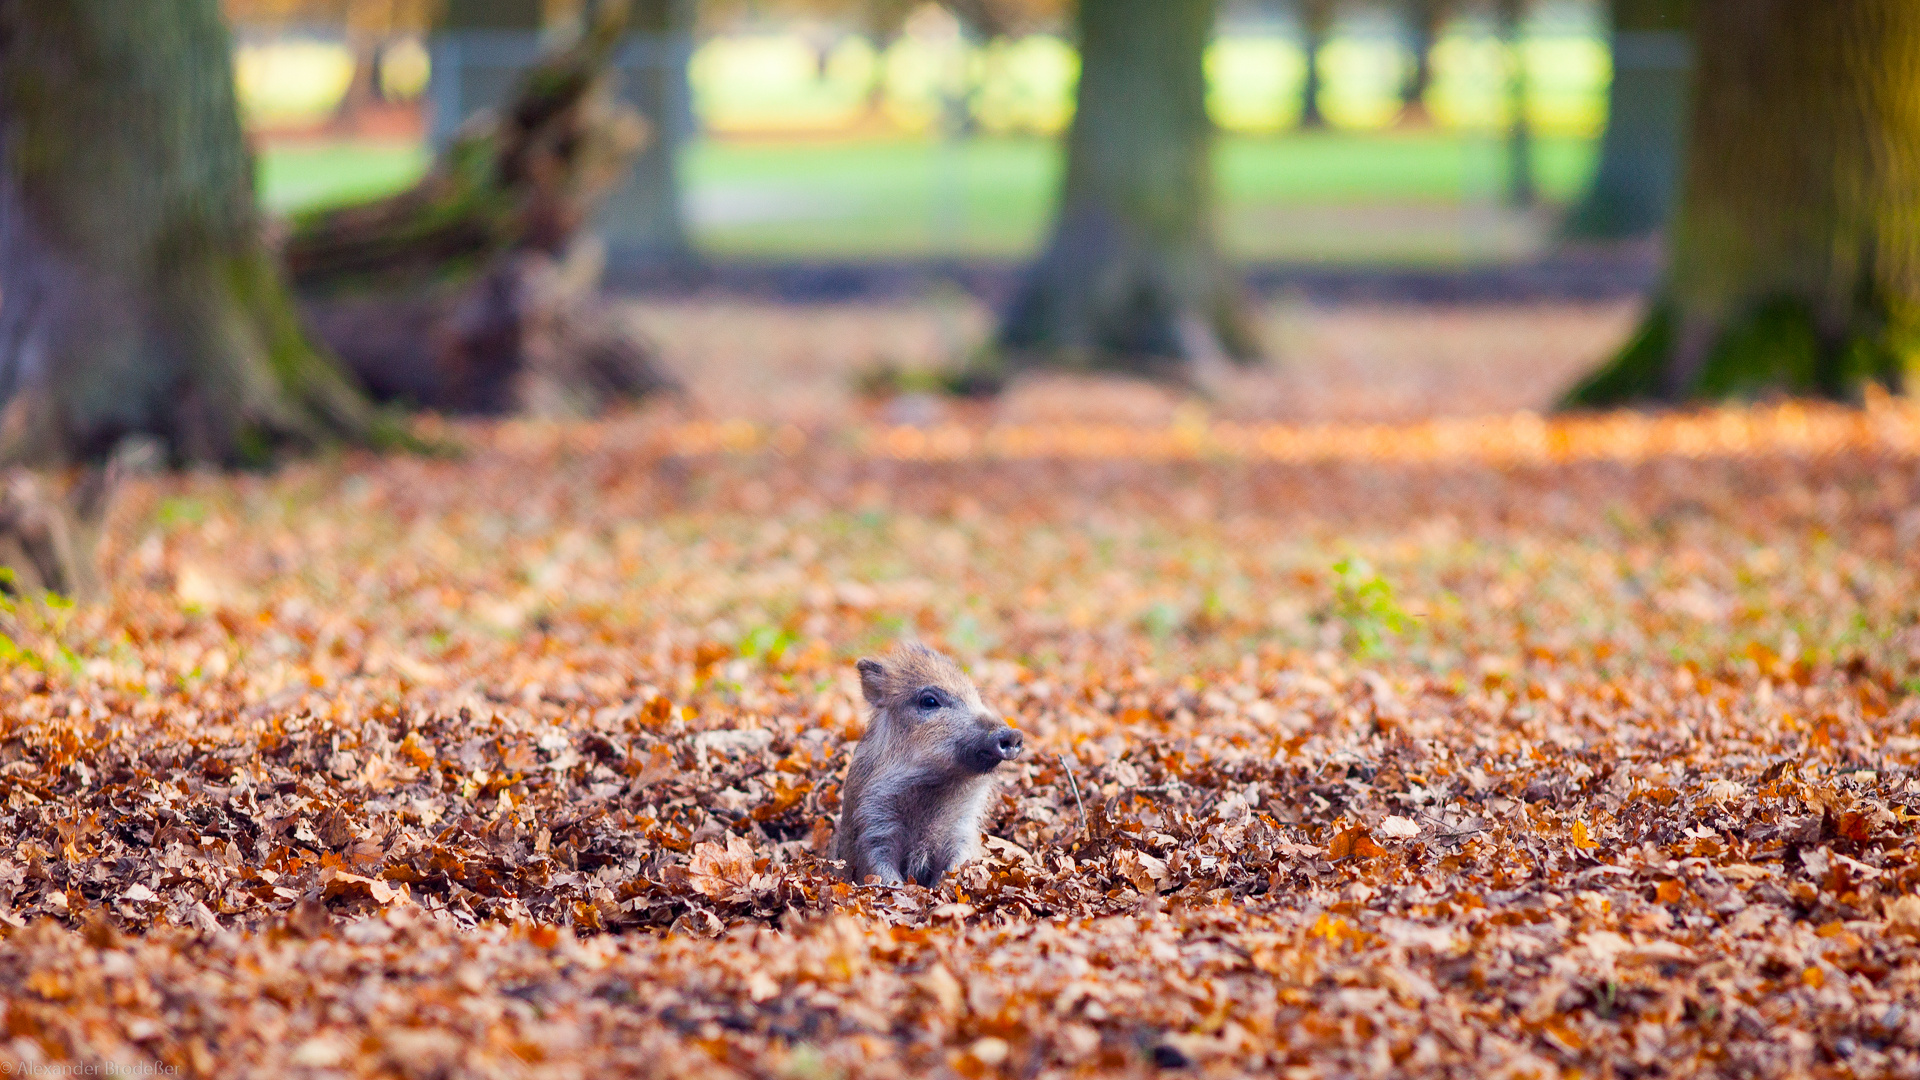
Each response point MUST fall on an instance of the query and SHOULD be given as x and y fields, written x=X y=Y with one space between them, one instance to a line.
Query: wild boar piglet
x=922 y=774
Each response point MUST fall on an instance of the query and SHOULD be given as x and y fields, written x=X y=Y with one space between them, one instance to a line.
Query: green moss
x=321 y=402
x=1778 y=348
x=1633 y=374
x=253 y=446
x=457 y=219
x=1775 y=348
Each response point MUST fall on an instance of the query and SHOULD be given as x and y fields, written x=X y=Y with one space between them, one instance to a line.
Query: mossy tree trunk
x=1795 y=261
x=136 y=297
x=1633 y=189
x=1131 y=279
x=469 y=291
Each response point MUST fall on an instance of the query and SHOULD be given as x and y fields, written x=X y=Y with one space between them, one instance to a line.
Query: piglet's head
x=928 y=706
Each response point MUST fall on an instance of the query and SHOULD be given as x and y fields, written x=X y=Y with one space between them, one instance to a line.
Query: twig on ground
x=1075 y=785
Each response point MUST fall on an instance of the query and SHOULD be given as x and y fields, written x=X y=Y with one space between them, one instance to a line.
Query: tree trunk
x=478 y=50
x=470 y=292
x=1425 y=19
x=1316 y=25
x=643 y=219
x=1522 y=191
x=1639 y=172
x=982 y=18
x=136 y=298
x=492 y=14
x=1796 y=247
x=1131 y=279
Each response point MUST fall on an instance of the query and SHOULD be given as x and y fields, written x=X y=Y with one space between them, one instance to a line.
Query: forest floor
x=1357 y=744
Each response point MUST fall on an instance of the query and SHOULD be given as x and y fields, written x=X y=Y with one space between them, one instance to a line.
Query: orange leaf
x=50 y=985
x=337 y=882
x=1855 y=826
x=1560 y=1032
x=1354 y=843
x=1582 y=839
x=720 y=872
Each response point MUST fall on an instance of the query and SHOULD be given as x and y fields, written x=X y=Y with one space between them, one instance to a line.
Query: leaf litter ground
x=1511 y=754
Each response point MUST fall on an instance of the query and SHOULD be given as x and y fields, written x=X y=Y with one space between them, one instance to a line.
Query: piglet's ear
x=873 y=681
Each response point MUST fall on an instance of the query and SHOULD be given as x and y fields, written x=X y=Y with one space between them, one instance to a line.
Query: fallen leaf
x=1353 y=843
x=1399 y=828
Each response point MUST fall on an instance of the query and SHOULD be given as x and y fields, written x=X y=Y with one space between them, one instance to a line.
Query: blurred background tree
x=1132 y=278
x=472 y=290
x=1522 y=189
x=970 y=137
x=442 y=182
x=1426 y=20
x=1795 y=262
x=1316 y=27
x=645 y=215
x=1633 y=189
x=481 y=49
x=141 y=302
x=139 y=296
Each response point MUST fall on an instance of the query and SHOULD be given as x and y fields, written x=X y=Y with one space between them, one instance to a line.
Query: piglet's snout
x=1008 y=744
x=991 y=742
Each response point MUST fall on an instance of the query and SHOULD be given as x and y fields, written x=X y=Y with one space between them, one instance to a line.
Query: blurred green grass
x=1414 y=197
x=303 y=176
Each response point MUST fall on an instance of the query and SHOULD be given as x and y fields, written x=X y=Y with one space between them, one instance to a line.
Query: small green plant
x=1364 y=604
x=12 y=653
x=766 y=642
x=1161 y=620
x=179 y=510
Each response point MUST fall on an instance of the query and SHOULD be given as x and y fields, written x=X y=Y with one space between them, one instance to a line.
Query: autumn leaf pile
x=1384 y=761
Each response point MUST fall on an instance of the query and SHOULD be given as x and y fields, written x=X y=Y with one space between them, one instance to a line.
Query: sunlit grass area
x=1423 y=197
x=302 y=176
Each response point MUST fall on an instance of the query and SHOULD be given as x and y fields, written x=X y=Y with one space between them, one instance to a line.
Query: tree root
x=1777 y=348
x=51 y=523
x=38 y=545
x=531 y=335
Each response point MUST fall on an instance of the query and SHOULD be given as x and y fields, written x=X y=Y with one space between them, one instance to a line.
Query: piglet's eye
x=929 y=701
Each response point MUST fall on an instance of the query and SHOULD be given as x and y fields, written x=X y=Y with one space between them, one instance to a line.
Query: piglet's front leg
x=885 y=855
